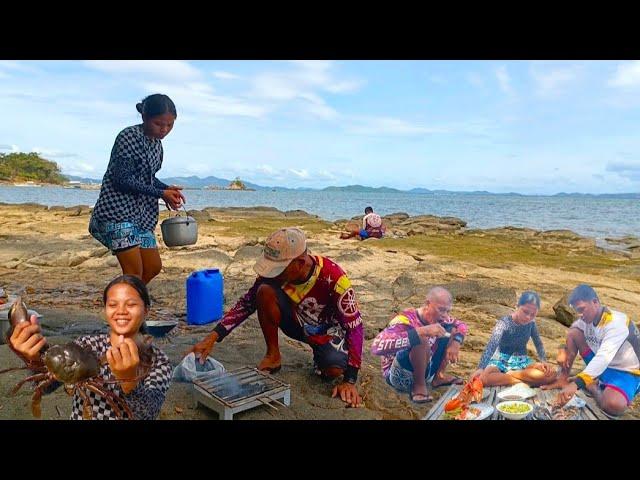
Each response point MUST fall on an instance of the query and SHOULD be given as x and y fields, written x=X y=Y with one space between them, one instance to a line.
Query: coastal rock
x=197 y=260
x=201 y=216
x=471 y=291
x=564 y=313
x=396 y=217
x=61 y=259
x=78 y=210
x=386 y=276
x=248 y=252
x=299 y=213
x=404 y=287
x=26 y=206
x=423 y=224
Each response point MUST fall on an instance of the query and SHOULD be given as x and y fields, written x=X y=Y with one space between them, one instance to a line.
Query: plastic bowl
x=514 y=416
x=159 y=328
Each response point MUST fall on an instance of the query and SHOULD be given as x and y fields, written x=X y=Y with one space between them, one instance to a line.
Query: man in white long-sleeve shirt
x=605 y=340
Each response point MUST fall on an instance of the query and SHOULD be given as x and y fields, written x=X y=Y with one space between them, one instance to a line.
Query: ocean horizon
x=590 y=216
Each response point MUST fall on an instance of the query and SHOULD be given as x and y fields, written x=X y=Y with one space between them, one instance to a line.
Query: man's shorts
x=121 y=236
x=326 y=355
x=626 y=383
x=400 y=374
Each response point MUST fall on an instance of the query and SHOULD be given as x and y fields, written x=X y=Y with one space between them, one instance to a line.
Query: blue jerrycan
x=205 y=296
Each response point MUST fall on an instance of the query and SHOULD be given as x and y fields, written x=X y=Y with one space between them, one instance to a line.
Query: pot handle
x=177 y=211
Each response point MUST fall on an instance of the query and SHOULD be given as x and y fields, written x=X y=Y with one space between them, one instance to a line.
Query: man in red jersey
x=310 y=298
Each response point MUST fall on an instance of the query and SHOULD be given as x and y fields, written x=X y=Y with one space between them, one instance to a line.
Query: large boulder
x=564 y=313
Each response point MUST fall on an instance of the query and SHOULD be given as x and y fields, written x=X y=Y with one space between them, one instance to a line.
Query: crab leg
x=36 y=411
x=36 y=378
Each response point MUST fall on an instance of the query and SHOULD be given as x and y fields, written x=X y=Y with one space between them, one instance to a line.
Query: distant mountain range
x=197 y=182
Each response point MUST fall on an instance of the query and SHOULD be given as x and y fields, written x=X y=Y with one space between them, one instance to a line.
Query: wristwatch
x=352 y=381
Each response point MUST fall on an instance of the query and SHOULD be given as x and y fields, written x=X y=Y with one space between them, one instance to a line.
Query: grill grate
x=239 y=390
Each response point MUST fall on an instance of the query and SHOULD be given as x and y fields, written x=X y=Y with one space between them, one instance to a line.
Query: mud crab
x=458 y=407
x=77 y=368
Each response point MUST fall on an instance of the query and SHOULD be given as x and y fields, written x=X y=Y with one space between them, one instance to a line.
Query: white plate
x=485 y=410
x=519 y=391
x=576 y=402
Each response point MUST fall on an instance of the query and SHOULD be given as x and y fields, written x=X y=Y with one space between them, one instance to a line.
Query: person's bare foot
x=270 y=363
x=559 y=383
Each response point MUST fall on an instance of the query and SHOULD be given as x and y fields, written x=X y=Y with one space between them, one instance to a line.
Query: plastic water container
x=205 y=296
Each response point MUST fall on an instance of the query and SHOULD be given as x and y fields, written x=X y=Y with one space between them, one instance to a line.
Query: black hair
x=138 y=285
x=156 y=104
x=368 y=210
x=583 y=293
x=529 y=297
x=135 y=282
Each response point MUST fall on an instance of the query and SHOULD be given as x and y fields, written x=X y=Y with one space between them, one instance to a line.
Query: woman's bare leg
x=533 y=376
x=151 y=263
x=131 y=262
x=493 y=377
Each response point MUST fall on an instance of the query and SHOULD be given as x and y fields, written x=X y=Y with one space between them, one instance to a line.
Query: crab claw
x=453 y=404
x=18 y=313
x=476 y=388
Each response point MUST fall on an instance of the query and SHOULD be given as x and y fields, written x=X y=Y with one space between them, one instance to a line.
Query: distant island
x=236 y=184
x=29 y=169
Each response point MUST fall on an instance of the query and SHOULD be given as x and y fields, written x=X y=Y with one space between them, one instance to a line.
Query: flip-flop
x=424 y=400
x=454 y=381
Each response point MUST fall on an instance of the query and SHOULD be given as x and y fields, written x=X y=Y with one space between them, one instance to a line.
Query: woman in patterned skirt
x=126 y=213
x=126 y=302
x=505 y=360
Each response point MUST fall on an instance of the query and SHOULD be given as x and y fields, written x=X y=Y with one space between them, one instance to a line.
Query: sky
x=532 y=127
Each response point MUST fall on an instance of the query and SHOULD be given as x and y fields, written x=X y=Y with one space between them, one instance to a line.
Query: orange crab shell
x=476 y=387
x=453 y=404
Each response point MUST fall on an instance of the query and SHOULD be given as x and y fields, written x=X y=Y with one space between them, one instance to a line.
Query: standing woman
x=126 y=213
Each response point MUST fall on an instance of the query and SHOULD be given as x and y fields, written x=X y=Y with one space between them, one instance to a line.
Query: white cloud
x=13 y=148
x=9 y=68
x=626 y=75
x=225 y=75
x=9 y=65
x=625 y=169
x=199 y=97
x=267 y=169
x=388 y=126
x=51 y=153
x=303 y=174
x=504 y=80
x=177 y=70
x=306 y=82
x=552 y=77
x=475 y=79
x=80 y=169
x=325 y=174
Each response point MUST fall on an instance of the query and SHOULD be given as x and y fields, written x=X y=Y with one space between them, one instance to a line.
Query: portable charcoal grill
x=240 y=390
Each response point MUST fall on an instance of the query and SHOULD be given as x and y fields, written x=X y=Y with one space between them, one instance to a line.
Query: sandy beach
x=48 y=254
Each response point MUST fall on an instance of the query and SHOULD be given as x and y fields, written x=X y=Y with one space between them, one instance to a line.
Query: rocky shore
x=48 y=254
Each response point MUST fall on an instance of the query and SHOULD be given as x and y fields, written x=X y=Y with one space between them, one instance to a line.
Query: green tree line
x=19 y=166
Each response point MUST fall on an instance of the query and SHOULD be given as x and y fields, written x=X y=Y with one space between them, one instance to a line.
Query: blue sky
x=524 y=126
